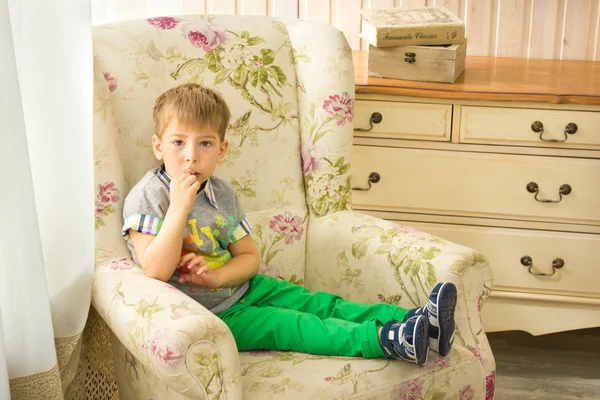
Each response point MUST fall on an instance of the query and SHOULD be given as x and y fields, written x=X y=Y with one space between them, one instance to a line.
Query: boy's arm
x=159 y=255
x=244 y=263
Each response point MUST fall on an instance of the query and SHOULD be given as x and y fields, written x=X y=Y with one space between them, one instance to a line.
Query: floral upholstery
x=290 y=86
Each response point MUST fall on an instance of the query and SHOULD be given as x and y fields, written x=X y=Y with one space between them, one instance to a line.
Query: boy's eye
x=178 y=142
x=205 y=143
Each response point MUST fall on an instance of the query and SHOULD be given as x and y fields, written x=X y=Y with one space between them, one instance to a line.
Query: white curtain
x=47 y=196
x=4 y=389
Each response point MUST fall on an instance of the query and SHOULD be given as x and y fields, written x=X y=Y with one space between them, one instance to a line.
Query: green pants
x=278 y=315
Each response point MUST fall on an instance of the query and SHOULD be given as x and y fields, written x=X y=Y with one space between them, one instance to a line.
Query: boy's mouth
x=192 y=172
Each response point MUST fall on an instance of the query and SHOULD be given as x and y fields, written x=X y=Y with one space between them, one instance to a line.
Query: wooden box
x=418 y=63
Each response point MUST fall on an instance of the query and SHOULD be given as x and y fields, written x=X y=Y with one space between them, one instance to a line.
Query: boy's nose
x=191 y=156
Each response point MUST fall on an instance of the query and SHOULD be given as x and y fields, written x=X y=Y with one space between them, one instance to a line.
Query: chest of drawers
x=506 y=161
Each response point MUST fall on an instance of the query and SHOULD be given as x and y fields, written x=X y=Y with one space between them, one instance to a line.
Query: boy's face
x=183 y=149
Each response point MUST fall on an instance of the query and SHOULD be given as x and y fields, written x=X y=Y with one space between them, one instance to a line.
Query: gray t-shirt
x=216 y=220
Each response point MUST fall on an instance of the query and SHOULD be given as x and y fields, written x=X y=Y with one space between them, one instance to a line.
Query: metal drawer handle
x=538 y=127
x=375 y=119
x=557 y=263
x=374 y=177
x=533 y=187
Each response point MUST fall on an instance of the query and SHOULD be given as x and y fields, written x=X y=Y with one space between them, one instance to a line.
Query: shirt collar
x=208 y=188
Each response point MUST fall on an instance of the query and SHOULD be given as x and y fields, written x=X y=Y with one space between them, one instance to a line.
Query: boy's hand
x=183 y=191
x=193 y=269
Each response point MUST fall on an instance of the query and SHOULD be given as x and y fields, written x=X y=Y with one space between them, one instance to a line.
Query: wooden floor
x=558 y=366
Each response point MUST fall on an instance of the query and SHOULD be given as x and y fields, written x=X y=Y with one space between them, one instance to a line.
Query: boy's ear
x=157 y=147
x=223 y=150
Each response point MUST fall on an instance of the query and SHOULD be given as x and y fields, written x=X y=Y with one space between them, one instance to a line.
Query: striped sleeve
x=145 y=206
x=142 y=223
x=242 y=229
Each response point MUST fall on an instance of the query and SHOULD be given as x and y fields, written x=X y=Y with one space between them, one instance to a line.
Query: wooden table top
x=497 y=79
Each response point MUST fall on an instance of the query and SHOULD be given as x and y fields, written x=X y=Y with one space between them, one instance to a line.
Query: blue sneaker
x=440 y=313
x=407 y=340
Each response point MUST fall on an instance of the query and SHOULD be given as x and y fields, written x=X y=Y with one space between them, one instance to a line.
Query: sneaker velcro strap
x=401 y=347
x=384 y=339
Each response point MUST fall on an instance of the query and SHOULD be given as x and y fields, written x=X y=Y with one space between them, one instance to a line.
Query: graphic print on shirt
x=205 y=241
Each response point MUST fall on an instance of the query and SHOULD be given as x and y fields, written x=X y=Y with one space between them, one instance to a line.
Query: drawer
x=504 y=249
x=404 y=120
x=514 y=127
x=477 y=184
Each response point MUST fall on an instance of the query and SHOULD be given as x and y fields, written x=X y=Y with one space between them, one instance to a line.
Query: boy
x=186 y=227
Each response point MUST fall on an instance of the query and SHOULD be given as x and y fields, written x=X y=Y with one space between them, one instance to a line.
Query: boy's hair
x=194 y=106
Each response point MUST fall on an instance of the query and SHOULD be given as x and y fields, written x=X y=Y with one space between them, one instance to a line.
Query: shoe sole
x=421 y=340
x=447 y=298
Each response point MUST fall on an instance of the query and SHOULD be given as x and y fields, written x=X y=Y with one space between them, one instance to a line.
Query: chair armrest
x=183 y=344
x=371 y=260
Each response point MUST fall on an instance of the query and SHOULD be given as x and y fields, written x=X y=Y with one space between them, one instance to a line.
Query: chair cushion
x=288 y=375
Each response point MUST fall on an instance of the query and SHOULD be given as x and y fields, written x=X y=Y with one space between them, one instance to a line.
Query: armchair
x=290 y=87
